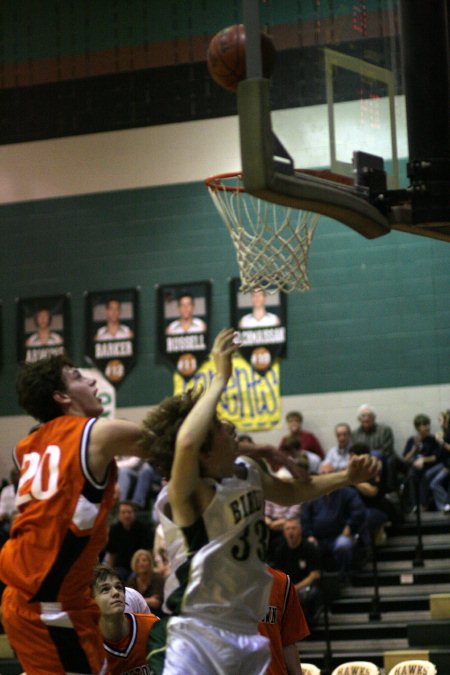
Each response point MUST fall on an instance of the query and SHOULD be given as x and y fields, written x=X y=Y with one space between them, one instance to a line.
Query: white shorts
x=197 y=648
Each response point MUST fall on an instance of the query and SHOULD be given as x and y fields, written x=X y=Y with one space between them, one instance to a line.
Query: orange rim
x=214 y=182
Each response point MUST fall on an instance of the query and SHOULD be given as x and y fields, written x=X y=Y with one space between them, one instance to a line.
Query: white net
x=271 y=241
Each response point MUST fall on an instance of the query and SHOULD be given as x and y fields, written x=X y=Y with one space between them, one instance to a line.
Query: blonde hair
x=139 y=552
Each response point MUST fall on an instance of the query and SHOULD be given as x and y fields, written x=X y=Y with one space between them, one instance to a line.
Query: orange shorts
x=48 y=639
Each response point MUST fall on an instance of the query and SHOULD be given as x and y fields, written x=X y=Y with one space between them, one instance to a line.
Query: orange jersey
x=128 y=656
x=284 y=623
x=62 y=522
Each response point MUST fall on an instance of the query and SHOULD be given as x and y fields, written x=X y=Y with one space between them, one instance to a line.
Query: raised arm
x=185 y=483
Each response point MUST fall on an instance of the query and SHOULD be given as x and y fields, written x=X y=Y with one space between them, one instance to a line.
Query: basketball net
x=271 y=241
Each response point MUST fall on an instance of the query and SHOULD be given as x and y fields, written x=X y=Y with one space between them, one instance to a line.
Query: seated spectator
x=379 y=437
x=334 y=522
x=146 y=580
x=125 y=537
x=284 y=625
x=422 y=452
x=136 y=478
x=125 y=635
x=8 y=504
x=275 y=517
x=300 y=559
x=371 y=493
x=339 y=455
x=438 y=476
x=274 y=458
x=292 y=448
x=307 y=439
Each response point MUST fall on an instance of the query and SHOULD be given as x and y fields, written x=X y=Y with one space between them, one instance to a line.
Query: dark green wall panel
x=377 y=314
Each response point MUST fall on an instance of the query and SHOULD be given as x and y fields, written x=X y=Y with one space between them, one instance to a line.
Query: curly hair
x=36 y=384
x=164 y=422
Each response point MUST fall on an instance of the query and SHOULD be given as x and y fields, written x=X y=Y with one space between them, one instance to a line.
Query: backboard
x=361 y=108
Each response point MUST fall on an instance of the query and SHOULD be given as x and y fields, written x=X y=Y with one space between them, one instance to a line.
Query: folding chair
x=414 y=667
x=310 y=669
x=356 y=668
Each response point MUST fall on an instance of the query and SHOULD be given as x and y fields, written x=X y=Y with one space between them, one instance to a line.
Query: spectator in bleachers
x=136 y=478
x=335 y=522
x=275 y=517
x=379 y=437
x=147 y=580
x=300 y=559
x=125 y=537
x=371 y=493
x=308 y=440
x=439 y=475
x=422 y=452
x=339 y=455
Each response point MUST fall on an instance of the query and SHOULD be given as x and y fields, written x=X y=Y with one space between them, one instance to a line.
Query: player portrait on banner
x=42 y=327
x=111 y=329
x=260 y=318
x=183 y=324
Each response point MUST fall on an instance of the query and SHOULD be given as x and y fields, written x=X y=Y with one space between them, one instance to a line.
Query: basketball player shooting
x=212 y=515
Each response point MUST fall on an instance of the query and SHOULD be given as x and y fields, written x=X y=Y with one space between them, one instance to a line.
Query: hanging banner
x=42 y=327
x=183 y=325
x=111 y=331
x=251 y=400
x=260 y=317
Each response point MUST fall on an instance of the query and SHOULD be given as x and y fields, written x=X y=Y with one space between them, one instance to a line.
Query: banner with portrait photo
x=260 y=317
x=184 y=312
x=111 y=331
x=42 y=327
x=251 y=400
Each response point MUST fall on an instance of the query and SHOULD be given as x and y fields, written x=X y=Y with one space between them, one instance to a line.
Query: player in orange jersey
x=284 y=625
x=125 y=635
x=67 y=479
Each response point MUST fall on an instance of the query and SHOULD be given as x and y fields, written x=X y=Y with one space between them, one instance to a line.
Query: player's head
x=42 y=318
x=294 y=421
x=164 y=423
x=366 y=416
x=343 y=434
x=185 y=305
x=112 y=310
x=258 y=298
x=108 y=590
x=52 y=387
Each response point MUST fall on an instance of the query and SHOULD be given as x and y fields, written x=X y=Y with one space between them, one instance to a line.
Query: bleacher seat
x=356 y=668
x=414 y=667
x=310 y=669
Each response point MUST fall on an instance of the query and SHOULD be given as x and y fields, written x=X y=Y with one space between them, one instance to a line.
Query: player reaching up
x=67 y=479
x=212 y=515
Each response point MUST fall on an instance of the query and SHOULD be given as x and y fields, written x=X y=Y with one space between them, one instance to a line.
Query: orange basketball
x=226 y=56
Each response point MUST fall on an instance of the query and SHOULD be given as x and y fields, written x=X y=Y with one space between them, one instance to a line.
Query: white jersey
x=266 y=321
x=53 y=339
x=217 y=573
x=176 y=328
x=122 y=333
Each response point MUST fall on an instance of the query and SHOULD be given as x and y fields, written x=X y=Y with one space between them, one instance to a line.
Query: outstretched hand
x=362 y=468
x=222 y=352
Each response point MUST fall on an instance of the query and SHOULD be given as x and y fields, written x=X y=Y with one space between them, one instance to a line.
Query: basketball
x=226 y=56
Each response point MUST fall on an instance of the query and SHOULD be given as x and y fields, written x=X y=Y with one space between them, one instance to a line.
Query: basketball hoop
x=271 y=241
